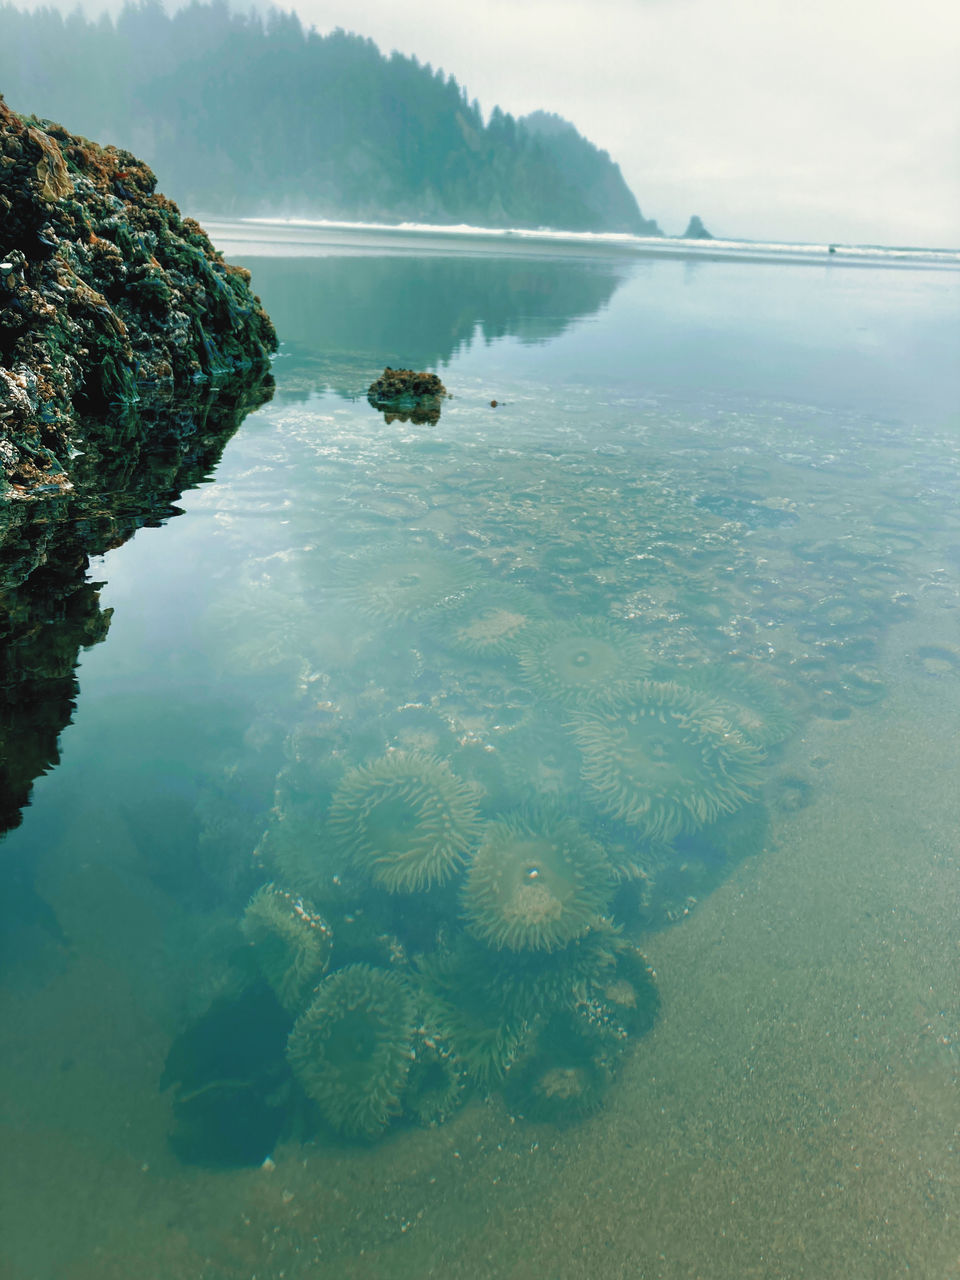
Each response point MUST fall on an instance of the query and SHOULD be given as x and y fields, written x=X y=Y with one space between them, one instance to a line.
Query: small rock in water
x=407 y=396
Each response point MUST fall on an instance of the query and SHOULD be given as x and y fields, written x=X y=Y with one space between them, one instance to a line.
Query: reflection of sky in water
x=731 y=481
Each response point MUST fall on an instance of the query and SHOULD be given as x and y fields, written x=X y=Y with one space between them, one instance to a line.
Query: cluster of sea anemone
x=558 y=700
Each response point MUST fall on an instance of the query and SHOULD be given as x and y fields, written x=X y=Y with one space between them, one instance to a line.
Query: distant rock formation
x=107 y=296
x=696 y=230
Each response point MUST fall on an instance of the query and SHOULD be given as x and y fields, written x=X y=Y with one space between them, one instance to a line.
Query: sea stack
x=696 y=230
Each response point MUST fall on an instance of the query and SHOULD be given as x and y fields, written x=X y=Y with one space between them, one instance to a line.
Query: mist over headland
x=823 y=124
x=243 y=115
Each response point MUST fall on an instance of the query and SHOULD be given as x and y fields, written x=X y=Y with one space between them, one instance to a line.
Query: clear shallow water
x=736 y=482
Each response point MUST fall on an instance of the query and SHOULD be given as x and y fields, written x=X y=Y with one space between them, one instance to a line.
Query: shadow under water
x=135 y=467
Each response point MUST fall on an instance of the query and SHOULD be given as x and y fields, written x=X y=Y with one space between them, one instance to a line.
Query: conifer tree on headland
x=240 y=114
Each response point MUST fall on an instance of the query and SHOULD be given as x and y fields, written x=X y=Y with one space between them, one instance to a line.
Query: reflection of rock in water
x=417 y=311
x=49 y=610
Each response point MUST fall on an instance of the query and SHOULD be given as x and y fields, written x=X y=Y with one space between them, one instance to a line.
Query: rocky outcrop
x=696 y=230
x=108 y=298
x=407 y=396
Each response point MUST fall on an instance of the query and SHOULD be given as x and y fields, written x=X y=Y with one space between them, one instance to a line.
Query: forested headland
x=243 y=115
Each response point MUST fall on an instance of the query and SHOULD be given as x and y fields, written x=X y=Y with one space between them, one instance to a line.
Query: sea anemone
x=535 y=984
x=659 y=764
x=481 y=1026
x=406 y=819
x=297 y=849
x=351 y=1049
x=491 y=622
x=437 y=1080
x=291 y=942
x=575 y=661
x=565 y=1072
x=750 y=706
x=862 y=685
x=626 y=993
x=539 y=759
x=937 y=661
x=536 y=884
x=393 y=584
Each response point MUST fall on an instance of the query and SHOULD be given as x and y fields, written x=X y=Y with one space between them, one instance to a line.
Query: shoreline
x=280 y=237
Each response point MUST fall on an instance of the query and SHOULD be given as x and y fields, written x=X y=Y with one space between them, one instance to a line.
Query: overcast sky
x=801 y=119
x=795 y=119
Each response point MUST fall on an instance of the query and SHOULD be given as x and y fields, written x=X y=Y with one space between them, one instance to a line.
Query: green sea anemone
x=406 y=819
x=536 y=884
x=539 y=759
x=491 y=622
x=659 y=764
x=625 y=992
x=297 y=849
x=565 y=1072
x=575 y=661
x=537 y=984
x=351 y=1049
x=750 y=706
x=393 y=584
x=437 y=1081
x=483 y=1029
x=291 y=942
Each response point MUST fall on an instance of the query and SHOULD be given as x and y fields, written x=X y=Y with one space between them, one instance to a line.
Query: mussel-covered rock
x=105 y=291
x=407 y=396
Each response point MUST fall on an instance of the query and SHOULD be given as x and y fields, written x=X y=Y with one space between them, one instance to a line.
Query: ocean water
x=524 y=843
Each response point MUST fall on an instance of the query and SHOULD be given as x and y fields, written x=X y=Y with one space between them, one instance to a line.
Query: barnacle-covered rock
x=407 y=396
x=106 y=294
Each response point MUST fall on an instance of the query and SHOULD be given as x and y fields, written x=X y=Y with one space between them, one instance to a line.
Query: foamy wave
x=757 y=250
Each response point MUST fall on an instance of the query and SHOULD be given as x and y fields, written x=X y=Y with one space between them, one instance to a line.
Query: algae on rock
x=106 y=294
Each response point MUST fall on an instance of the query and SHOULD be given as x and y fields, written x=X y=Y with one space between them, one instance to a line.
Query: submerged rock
x=407 y=396
x=106 y=293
